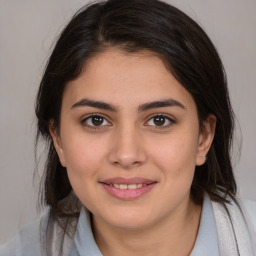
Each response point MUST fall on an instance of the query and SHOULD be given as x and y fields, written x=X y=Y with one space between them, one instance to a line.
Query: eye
x=95 y=121
x=160 y=121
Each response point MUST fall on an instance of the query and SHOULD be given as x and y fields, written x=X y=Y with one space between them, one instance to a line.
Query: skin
x=129 y=144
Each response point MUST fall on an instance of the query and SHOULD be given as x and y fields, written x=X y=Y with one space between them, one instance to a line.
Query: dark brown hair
x=133 y=26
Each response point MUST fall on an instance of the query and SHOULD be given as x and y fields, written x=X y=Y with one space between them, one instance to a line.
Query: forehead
x=126 y=78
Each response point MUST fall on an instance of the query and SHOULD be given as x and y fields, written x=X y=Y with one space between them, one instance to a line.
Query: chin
x=129 y=220
x=130 y=224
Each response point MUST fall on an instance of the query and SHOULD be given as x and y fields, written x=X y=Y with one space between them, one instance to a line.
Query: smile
x=127 y=186
x=128 y=189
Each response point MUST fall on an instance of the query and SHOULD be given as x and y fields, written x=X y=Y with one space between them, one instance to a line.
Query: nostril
x=127 y=164
x=127 y=152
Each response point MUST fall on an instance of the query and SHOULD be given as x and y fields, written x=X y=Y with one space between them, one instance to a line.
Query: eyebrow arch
x=95 y=104
x=144 y=107
x=160 y=104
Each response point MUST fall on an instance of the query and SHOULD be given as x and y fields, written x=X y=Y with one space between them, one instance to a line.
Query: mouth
x=127 y=186
x=127 y=189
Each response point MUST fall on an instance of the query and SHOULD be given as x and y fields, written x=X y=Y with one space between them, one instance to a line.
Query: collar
x=207 y=238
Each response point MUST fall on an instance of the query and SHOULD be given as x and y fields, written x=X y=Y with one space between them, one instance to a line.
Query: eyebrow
x=144 y=107
x=95 y=104
x=160 y=104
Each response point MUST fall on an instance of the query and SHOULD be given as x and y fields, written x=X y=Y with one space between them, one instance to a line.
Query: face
x=129 y=138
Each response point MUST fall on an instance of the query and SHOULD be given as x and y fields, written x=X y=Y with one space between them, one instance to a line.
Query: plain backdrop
x=28 y=29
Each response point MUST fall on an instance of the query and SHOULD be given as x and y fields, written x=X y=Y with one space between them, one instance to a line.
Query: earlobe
x=206 y=137
x=57 y=142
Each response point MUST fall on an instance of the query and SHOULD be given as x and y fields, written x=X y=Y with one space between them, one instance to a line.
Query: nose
x=127 y=149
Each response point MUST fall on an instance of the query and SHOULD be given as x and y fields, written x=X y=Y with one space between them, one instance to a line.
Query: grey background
x=28 y=29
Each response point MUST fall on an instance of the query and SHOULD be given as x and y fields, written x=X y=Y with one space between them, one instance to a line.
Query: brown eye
x=95 y=121
x=160 y=121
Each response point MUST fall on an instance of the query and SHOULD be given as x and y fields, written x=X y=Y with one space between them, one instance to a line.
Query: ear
x=57 y=142
x=205 y=139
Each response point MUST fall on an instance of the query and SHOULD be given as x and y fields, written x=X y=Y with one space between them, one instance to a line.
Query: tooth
x=123 y=186
x=132 y=186
x=116 y=186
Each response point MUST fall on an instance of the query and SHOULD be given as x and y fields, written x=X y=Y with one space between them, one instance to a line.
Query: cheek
x=83 y=156
x=177 y=155
x=178 y=148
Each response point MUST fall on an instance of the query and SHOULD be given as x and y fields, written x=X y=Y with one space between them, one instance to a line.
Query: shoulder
x=27 y=240
x=250 y=208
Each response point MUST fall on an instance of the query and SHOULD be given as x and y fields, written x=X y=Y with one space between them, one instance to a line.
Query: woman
x=135 y=109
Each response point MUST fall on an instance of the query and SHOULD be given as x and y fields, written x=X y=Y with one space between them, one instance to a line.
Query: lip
x=128 y=181
x=128 y=194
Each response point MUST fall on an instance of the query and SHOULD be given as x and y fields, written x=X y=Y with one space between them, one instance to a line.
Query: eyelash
x=83 y=122
x=166 y=117
x=171 y=120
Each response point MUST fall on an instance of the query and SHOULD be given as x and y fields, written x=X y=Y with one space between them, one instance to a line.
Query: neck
x=173 y=235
